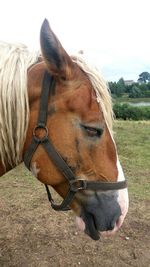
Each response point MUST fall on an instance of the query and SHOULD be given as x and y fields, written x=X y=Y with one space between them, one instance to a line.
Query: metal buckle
x=44 y=135
x=76 y=185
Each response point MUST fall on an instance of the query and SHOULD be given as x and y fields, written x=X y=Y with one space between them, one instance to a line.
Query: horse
x=56 y=116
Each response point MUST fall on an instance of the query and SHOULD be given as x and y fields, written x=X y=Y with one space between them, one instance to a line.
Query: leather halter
x=75 y=184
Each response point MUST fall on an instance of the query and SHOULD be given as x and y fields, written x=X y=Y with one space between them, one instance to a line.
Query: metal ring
x=76 y=185
x=40 y=139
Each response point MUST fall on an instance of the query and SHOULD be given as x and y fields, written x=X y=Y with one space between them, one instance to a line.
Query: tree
x=121 y=83
x=148 y=85
x=113 y=87
x=144 y=87
x=121 y=88
x=135 y=92
x=144 y=77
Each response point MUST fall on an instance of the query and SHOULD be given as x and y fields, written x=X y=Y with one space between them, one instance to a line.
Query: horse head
x=78 y=123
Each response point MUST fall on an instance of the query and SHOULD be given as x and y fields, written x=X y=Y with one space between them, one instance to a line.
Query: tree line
x=138 y=89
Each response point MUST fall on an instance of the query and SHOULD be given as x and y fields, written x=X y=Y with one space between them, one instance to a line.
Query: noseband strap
x=75 y=185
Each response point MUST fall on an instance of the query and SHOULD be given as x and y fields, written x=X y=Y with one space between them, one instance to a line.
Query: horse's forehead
x=84 y=102
x=78 y=96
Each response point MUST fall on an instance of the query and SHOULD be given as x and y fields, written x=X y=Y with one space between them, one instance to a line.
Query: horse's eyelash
x=92 y=131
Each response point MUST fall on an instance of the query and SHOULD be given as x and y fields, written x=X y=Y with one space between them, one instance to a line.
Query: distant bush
x=128 y=112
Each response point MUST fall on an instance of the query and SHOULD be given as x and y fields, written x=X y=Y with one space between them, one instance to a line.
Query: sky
x=114 y=34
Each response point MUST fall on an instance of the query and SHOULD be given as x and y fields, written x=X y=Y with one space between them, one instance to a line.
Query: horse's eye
x=92 y=132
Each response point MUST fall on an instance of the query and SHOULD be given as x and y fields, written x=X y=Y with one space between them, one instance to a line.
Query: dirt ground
x=33 y=235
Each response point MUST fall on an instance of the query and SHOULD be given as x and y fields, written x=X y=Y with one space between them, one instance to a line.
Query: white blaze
x=123 y=198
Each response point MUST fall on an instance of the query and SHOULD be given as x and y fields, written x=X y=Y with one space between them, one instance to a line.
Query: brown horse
x=62 y=127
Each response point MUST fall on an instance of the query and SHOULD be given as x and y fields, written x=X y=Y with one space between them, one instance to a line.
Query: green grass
x=133 y=144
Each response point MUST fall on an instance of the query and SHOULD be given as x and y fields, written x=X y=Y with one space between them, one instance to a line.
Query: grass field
x=133 y=143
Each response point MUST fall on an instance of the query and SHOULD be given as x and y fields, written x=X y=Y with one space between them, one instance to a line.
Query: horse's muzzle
x=100 y=213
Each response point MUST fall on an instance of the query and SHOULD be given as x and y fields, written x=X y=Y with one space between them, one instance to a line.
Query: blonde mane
x=14 y=109
x=100 y=87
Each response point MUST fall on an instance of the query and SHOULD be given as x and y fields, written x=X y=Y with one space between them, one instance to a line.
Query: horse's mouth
x=95 y=228
x=88 y=226
x=91 y=228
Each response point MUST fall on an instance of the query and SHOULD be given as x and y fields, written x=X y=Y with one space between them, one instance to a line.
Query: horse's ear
x=57 y=60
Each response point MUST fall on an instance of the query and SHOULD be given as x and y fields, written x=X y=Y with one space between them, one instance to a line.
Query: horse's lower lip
x=90 y=227
x=92 y=232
